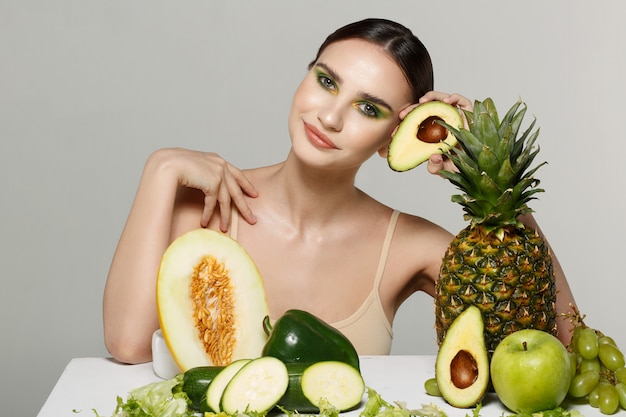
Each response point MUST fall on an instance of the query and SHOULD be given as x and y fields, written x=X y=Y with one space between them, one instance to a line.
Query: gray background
x=89 y=88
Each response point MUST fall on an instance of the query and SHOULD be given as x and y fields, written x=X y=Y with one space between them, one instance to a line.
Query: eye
x=326 y=82
x=368 y=109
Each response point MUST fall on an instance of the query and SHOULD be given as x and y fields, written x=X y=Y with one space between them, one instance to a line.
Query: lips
x=317 y=138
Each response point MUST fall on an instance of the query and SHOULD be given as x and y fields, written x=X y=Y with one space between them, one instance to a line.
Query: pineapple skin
x=507 y=273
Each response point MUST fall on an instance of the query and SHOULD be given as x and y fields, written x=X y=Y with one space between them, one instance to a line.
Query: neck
x=313 y=197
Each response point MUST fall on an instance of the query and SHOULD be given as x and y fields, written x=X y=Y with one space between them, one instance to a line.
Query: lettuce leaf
x=157 y=399
x=557 y=412
x=376 y=406
x=326 y=410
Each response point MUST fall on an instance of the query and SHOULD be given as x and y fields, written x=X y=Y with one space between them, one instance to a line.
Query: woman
x=351 y=259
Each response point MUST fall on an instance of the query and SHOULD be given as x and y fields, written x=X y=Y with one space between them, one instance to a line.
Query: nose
x=331 y=115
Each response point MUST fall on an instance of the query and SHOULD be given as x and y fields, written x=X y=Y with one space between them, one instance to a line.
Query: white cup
x=162 y=362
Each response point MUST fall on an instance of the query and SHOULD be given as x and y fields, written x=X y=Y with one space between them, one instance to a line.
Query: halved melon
x=211 y=300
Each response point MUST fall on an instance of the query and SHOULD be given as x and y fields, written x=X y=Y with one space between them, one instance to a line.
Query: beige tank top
x=368 y=328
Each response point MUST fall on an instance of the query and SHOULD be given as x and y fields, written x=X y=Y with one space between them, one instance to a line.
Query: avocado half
x=420 y=135
x=462 y=364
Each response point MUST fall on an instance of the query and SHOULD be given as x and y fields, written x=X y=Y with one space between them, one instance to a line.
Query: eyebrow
x=367 y=96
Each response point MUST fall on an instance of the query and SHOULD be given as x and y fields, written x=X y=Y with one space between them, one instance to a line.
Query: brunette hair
x=399 y=42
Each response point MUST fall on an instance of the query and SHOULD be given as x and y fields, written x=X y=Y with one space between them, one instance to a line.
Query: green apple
x=530 y=371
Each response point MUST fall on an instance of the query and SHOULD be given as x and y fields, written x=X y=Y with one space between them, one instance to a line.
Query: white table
x=89 y=384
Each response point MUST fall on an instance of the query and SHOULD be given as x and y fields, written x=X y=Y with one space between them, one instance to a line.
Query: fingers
x=228 y=192
x=432 y=96
x=244 y=184
x=239 y=186
x=437 y=163
x=244 y=209
x=223 y=199
x=456 y=100
x=230 y=186
x=210 y=201
x=406 y=111
x=221 y=183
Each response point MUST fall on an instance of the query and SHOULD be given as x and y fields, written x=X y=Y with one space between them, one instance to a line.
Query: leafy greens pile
x=157 y=399
x=167 y=399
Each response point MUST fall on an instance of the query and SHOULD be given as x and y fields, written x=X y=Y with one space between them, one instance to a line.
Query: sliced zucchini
x=338 y=383
x=294 y=399
x=216 y=387
x=196 y=381
x=256 y=387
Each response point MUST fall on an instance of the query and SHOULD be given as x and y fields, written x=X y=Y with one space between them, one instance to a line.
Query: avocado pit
x=463 y=369
x=430 y=131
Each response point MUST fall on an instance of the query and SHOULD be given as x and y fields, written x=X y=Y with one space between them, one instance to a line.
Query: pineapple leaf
x=490 y=107
x=466 y=166
x=474 y=211
x=532 y=171
x=456 y=179
x=531 y=138
x=509 y=117
x=507 y=203
x=494 y=160
x=463 y=199
x=486 y=128
x=488 y=162
x=488 y=188
x=469 y=117
x=469 y=145
x=466 y=139
x=523 y=142
x=521 y=191
x=509 y=130
x=504 y=175
x=527 y=195
x=523 y=162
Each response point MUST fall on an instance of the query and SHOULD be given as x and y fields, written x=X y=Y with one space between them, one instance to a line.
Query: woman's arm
x=564 y=296
x=129 y=306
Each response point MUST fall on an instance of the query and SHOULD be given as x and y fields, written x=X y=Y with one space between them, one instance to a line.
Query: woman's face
x=347 y=106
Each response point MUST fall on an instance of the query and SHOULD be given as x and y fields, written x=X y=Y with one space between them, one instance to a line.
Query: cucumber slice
x=257 y=386
x=336 y=382
x=216 y=387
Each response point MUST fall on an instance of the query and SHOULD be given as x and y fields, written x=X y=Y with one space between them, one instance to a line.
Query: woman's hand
x=220 y=181
x=438 y=162
x=455 y=100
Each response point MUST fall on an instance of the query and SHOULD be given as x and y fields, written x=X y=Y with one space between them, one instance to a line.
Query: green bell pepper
x=299 y=336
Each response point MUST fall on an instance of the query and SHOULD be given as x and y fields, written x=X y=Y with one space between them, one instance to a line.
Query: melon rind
x=174 y=304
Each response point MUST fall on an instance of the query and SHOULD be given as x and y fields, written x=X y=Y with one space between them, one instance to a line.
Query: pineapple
x=496 y=263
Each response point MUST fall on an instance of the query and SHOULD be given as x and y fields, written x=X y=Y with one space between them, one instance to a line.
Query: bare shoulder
x=414 y=230
x=416 y=253
x=260 y=175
